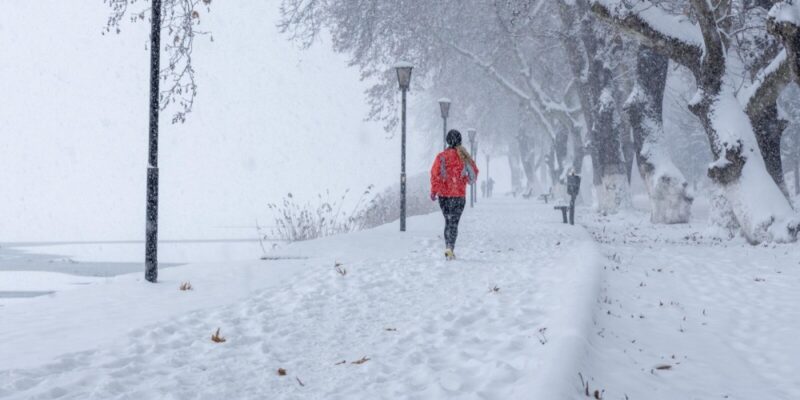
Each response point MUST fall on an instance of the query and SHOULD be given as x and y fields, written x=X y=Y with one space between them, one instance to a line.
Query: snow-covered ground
x=684 y=316
x=509 y=319
x=633 y=310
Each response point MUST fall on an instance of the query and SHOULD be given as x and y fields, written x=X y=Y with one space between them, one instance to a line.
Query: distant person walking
x=489 y=187
x=452 y=170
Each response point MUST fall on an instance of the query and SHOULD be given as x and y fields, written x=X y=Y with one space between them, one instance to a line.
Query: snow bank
x=571 y=326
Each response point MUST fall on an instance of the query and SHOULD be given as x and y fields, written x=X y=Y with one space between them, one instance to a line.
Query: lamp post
x=573 y=188
x=151 y=218
x=471 y=133
x=488 y=178
x=444 y=107
x=403 y=70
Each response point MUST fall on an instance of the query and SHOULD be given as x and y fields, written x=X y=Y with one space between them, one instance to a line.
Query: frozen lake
x=30 y=270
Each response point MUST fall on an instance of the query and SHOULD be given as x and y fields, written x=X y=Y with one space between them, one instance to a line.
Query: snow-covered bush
x=297 y=220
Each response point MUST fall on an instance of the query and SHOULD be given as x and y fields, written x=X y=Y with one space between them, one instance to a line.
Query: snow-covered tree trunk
x=623 y=85
x=628 y=146
x=769 y=128
x=556 y=161
x=578 y=150
x=514 y=168
x=760 y=209
x=796 y=170
x=670 y=200
x=612 y=192
x=526 y=155
x=784 y=22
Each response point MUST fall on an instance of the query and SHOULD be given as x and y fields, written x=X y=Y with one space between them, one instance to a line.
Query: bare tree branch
x=180 y=27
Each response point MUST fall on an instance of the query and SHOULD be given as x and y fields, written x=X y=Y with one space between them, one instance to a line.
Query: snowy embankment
x=685 y=316
x=509 y=319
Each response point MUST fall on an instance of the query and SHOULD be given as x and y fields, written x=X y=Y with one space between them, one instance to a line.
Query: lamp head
x=444 y=107
x=403 y=70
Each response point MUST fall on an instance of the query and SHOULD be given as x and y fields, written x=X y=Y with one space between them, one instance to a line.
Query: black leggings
x=452 y=207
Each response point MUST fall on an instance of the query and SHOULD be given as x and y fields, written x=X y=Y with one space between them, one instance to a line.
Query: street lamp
x=444 y=107
x=488 y=178
x=151 y=216
x=471 y=134
x=404 y=79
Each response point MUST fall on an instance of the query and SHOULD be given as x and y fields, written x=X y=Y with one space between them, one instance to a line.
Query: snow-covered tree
x=738 y=74
x=668 y=190
x=505 y=40
x=584 y=40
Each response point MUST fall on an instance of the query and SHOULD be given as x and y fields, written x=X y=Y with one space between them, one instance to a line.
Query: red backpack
x=450 y=175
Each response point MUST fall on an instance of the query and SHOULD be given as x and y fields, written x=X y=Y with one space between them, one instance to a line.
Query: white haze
x=269 y=119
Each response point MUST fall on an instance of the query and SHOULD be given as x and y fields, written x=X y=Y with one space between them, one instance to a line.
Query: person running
x=452 y=170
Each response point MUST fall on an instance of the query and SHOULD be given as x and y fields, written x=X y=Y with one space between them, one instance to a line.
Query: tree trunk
x=761 y=210
x=797 y=169
x=612 y=193
x=670 y=201
x=578 y=150
x=585 y=49
x=769 y=129
x=622 y=88
x=628 y=150
x=577 y=62
x=526 y=158
x=789 y=33
x=557 y=163
x=514 y=167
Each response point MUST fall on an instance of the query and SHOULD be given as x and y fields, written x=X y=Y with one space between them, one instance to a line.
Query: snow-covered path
x=507 y=320
x=721 y=319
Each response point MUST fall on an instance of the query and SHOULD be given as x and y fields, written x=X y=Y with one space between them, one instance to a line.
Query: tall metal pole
x=475 y=185
x=151 y=231
x=403 y=167
x=488 y=177
x=444 y=134
x=472 y=186
x=444 y=108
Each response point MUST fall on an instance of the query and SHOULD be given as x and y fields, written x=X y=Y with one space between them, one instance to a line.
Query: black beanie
x=453 y=138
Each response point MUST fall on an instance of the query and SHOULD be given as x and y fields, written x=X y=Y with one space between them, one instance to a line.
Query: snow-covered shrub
x=296 y=220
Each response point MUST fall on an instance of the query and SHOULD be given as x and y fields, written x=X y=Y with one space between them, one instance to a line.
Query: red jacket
x=449 y=177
